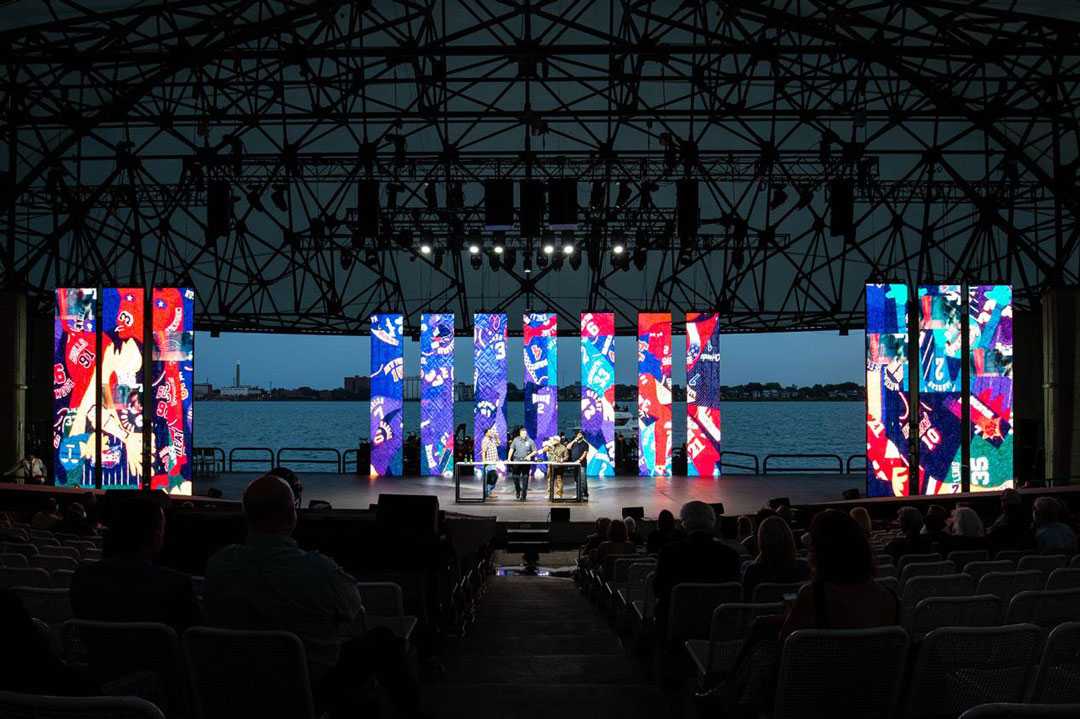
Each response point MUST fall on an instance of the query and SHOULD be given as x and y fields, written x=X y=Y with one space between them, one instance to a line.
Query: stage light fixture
x=509 y=259
x=598 y=195
x=541 y=260
x=476 y=260
x=527 y=262
x=549 y=249
x=400 y=146
x=494 y=261
x=425 y=249
x=557 y=262
x=474 y=249
x=277 y=196
x=575 y=260
x=392 y=190
x=497 y=249
x=431 y=197
x=618 y=249
x=623 y=197
x=346 y=259
x=568 y=249
x=779 y=197
x=439 y=253
x=641 y=257
x=371 y=257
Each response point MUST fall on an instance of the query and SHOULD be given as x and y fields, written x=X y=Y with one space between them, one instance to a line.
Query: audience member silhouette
x=911 y=539
x=862 y=518
x=666 y=531
x=1052 y=535
x=616 y=544
x=596 y=538
x=1012 y=528
x=269 y=582
x=966 y=532
x=48 y=517
x=936 y=523
x=632 y=534
x=76 y=521
x=28 y=663
x=777 y=560
x=128 y=585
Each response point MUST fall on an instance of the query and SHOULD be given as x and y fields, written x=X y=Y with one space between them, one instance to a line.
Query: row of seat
x=29 y=550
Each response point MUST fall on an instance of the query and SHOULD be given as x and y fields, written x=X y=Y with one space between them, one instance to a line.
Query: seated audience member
x=632 y=535
x=292 y=480
x=616 y=544
x=666 y=531
x=1012 y=528
x=965 y=531
x=48 y=517
x=936 y=523
x=776 y=560
x=1052 y=535
x=76 y=522
x=28 y=663
x=697 y=557
x=128 y=585
x=862 y=518
x=911 y=540
x=842 y=593
x=596 y=538
x=270 y=583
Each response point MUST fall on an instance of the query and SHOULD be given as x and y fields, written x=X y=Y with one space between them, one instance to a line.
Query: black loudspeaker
x=778 y=502
x=851 y=494
x=687 y=203
x=498 y=204
x=408 y=513
x=717 y=507
x=319 y=505
x=367 y=208
x=532 y=207
x=842 y=207
x=635 y=512
x=560 y=514
x=562 y=195
x=218 y=208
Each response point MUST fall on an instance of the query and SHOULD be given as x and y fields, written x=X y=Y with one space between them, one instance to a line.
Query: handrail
x=269 y=459
x=838 y=458
x=352 y=453
x=856 y=457
x=756 y=467
x=335 y=462
x=216 y=455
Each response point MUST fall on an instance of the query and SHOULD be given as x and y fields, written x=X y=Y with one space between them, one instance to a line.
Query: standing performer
x=556 y=452
x=489 y=454
x=579 y=454
x=521 y=449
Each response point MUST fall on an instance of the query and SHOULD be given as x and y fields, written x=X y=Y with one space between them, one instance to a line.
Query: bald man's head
x=269 y=506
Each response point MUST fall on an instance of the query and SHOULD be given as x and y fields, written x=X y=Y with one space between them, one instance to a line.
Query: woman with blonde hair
x=777 y=560
x=862 y=518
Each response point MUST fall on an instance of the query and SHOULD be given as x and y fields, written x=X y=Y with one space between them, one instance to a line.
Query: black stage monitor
x=419 y=513
x=560 y=514
x=852 y=493
x=778 y=502
x=635 y=512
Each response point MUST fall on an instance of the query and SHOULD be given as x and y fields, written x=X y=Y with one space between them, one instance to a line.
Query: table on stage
x=479 y=470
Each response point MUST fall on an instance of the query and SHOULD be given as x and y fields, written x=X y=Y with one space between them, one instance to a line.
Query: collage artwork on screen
x=489 y=381
x=654 y=394
x=703 y=394
x=437 y=395
x=122 y=332
x=991 y=386
x=888 y=456
x=540 y=353
x=173 y=373
x=940 y=365
x=598 y=391
x=75 y=355
x=387 y=394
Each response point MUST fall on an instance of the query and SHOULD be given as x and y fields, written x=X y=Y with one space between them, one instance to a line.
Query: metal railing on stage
x=336 y=462
x=234 y=460
x=754 y=468
x=839 y=469
x=495 y=467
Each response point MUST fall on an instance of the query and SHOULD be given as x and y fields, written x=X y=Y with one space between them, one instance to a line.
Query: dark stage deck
x=740 y=494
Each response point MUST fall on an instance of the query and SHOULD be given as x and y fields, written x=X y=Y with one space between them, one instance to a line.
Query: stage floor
x=741 y=494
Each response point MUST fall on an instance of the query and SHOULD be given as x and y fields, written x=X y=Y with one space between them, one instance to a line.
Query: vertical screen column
x=75 y=353
x=654 y=394
x=940 y=365
x=702 y=394
x=173 y=372
x=437 y=394
x=598 y=391
x=990 y=320
x=387 y=394
x=489 y=380
x=121 y=357
x=540 y=350
x=888 y=429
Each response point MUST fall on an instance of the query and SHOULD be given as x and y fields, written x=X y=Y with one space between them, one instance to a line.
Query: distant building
x=203 y=390
x=244 y=391
x=357 y=384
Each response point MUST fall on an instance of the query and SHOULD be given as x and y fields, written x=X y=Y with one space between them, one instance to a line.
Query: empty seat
x=52 y=606
x=50 y=563
x=768 y=592
x=961 y=557
x=61 y=578
x=978 y=569
x=24 y=577
x=1005 y=710
x=925 y=569
x=384 y=606
x=886 y=570
x=13 y=560
x=1044 y=563
x=1045 y=608
x=1006 y=585
x=229 y=669
x=31 y=706
x=42 y=542
x=1009 y=555
x=1075 y=562
x=981 y=610
x=1064 y=578
x=961 y=667
x=850 y=673
x=58 y=551
x=691 y=608
x=889 y=583
x=943 y=585
x=917 y=559
x=1058 y=678
x=24 y=548
x=731 y=624
x=81 y=544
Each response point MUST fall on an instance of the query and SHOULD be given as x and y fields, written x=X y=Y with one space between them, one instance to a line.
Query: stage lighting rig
x=624 y=193
x=371 y=257
x=575 y=260
x=279 y=198
x=494 y=260
x=474 y=249
x=779 y=197
x=475 y=260
x=431 y=196
x=439 y=254
x=425 y=249
x=509 y=258
x=542 y=259
x=641 y=257
x=598 y=195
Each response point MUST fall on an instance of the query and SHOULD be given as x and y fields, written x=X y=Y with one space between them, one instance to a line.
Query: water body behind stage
x=740 y=494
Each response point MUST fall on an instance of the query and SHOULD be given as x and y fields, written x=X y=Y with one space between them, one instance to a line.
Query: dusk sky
x=801 y=358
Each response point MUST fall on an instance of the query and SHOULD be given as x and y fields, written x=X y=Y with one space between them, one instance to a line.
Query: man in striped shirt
x=489 y=455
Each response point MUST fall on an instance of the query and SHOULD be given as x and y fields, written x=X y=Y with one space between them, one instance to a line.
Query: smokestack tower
x=237 y=374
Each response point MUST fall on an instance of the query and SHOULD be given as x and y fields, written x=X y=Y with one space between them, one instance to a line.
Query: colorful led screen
x=888 y=453
x=122 y=337
x=598 y=391
x=539 y=344
x=489 y=380
x=437 y=395
x=75 y=352
x=702 y=394
x=387 y=394
x=654 y=394
x=940 y=365
x=173 y=371
x=991 y=385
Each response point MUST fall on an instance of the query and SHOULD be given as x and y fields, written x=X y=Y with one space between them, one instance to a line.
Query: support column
x=1028 y=429
x=12 y=379
x=1061 y=381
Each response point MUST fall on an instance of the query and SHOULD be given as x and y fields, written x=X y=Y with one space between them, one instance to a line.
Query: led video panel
x=940 y=365
x=75 y=352
x=888 y=451
x=437 y=394
x=991 y=386
x=489 y=380
x=654 y=394
x=598 y=391
x=387 y=394
x=702 y=394
x=173 y=373
x=122 y=377
x=540 y=350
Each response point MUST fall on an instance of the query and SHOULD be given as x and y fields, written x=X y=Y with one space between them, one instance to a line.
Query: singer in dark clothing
x=579 y=453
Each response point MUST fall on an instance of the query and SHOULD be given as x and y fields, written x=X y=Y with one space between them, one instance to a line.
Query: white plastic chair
x=983 y=610
x=958 y=668
x=851 y=673
x=31 y=706
x=1046 y=608
x=1058 y=678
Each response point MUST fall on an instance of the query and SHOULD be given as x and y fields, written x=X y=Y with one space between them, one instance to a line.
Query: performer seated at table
x=579 y=453
x=555 y=448
x=521 y=449
x=489 y=455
